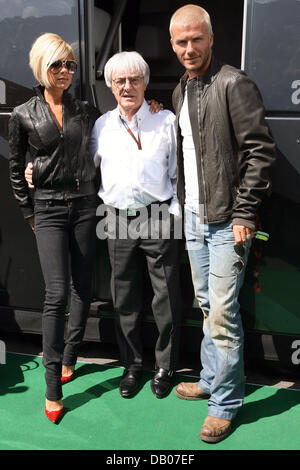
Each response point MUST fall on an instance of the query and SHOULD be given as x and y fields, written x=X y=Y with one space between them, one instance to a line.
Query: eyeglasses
x=134 y=81
x=71 y=65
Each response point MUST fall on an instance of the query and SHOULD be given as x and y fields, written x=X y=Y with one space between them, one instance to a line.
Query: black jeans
x=65 y=233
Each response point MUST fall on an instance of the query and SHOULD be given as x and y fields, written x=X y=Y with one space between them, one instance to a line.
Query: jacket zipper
x=61 y=134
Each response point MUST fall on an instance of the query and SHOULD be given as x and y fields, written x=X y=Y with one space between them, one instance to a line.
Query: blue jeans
x=218 y=269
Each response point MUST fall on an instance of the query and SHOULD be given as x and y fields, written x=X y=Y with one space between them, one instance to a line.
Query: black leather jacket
x=234 y=148
x=62 y=165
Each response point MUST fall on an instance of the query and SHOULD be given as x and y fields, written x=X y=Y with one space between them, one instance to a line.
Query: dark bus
x=263 y=38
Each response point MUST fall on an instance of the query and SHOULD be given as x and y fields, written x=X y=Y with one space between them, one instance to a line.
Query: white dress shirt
x=133 y=178
x=189 y=159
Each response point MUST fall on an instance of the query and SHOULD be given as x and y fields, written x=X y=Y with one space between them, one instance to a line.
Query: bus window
x=20 y=24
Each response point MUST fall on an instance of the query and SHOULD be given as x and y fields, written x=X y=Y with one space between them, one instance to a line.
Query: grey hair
x=190 y=14
x=124 y=62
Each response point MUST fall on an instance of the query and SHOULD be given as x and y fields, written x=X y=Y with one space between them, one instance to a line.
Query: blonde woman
x=54 y=128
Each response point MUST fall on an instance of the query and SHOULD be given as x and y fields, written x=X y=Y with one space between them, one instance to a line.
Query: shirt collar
x=139 y=115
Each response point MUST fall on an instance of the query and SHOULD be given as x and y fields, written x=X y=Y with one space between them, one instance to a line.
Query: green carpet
x=98 y=418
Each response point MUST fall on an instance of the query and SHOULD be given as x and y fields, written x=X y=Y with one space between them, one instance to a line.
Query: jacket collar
x=208 y=77
x=70 y=105
x=39 y=91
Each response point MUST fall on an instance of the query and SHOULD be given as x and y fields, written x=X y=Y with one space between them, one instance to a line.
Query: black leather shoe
x=130 y=383
x=161 y=382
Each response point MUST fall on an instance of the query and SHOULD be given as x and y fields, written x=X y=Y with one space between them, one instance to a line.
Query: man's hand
x=155 y=107
x=28 y=175
x=242 y=234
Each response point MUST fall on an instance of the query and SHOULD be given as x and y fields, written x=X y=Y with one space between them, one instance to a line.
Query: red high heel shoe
x=67 y=378
x=54 y=415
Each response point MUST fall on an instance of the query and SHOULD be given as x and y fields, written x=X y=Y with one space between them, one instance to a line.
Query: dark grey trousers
x=127 y=257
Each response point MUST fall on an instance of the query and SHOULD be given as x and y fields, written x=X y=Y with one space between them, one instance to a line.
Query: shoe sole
x=132 y=394
x=129 y=395
x=189 y=398
x=214 y=439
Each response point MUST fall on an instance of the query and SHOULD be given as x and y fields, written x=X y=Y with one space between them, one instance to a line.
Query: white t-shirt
x=189 y=159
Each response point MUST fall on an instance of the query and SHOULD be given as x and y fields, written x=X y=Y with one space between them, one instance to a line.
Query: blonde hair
x=189 y=14
x=45 y=50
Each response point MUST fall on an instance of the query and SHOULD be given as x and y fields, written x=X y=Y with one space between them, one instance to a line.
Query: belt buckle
x=131 y=212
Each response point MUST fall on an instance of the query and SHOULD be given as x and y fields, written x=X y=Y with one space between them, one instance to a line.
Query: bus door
x=21 y=281
x=272 y=58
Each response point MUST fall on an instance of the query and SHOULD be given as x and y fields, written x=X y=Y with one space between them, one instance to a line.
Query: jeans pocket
x=227 y=260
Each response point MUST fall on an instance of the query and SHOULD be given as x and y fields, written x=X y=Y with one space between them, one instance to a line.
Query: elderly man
x=136 y=151
x=224 y=154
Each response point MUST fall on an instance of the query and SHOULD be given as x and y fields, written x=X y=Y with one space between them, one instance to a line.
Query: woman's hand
x=31 y=222
x=28 y=175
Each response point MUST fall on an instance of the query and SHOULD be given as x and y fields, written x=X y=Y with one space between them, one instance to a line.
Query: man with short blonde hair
x=224 y=152
x=188 y=15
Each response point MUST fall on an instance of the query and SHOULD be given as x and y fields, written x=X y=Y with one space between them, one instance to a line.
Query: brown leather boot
x=215 y=429
x=190 y=391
